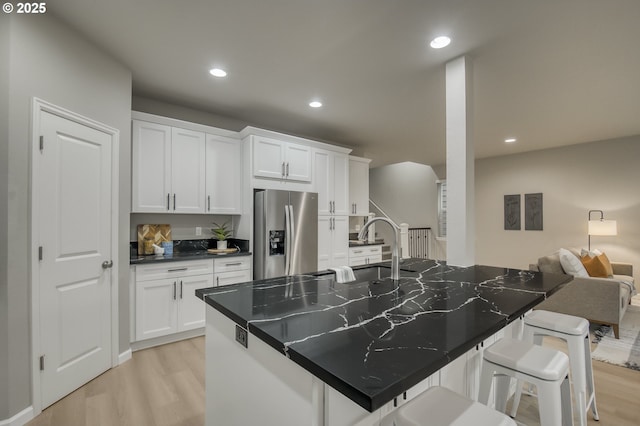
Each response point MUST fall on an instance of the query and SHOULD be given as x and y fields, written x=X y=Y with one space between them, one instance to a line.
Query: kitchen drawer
x=232 y=277
x=365 y=250
x=158 y=271
x=232 y=264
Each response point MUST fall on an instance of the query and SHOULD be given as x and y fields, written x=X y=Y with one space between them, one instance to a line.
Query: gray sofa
x=600 y=300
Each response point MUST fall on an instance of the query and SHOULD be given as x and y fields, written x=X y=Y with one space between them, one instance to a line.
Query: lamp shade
x=603 y=227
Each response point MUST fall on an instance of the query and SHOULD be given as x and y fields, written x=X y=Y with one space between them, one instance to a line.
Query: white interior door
x=73 y=190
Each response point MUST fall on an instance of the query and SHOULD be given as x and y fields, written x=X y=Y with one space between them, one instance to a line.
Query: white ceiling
x=548 y=72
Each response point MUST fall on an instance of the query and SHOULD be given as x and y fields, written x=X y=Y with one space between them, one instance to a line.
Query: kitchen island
x=306 y=349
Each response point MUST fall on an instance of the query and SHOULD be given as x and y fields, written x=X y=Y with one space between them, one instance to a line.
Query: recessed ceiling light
x=510 y=140
x=217 y=72
x=315 y=104
x=440 y=42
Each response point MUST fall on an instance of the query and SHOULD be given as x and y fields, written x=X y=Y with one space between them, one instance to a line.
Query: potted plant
x=221 y=233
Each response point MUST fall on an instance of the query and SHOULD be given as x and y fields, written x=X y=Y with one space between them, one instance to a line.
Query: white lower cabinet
x=333 y=241
x=231 y=271
x=165 y=297
x=364 y=255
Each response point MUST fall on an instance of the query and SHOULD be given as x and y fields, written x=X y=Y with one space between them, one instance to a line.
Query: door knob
x=107 y=265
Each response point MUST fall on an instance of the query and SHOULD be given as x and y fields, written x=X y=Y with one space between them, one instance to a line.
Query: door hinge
x=40 y=253
x=41 y=143
x=41 y=362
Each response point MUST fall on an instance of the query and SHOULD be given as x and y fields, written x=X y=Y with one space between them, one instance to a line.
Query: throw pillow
x=597 y=266
x=592 y=253
x=572 y=264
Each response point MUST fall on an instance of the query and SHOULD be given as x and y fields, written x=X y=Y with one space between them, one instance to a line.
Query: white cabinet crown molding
x=167 y=121
x=254 y=131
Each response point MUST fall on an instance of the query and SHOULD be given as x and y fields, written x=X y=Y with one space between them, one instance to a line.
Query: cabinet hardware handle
x=168 y=202
x=174 y=290
x=208 y=202
x=283 y=169
x=174 y=201
x=176 y=269
x=329 y=206
x=233 y=264
x=334 y=206
x=287 y=169
x=217 y=281
x=180 y=289
x=357 y=251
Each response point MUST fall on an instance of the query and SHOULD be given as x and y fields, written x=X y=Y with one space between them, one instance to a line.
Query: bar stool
x=546 y=368
x=575 y=331
x=438 y=406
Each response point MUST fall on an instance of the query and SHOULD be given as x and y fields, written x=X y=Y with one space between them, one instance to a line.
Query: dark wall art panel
x=512 y=212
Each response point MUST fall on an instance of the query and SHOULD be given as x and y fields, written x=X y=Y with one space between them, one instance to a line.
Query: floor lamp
x=601 y=226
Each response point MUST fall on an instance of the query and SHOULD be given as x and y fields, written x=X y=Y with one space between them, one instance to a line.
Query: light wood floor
x=165 y=386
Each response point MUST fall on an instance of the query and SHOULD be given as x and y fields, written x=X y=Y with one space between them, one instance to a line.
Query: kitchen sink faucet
x=395 y=258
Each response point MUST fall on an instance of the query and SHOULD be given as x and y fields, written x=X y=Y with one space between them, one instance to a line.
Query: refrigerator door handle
x=292 y=238
x=287 y=239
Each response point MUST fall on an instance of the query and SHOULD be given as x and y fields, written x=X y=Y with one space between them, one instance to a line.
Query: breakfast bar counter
x=343 y=353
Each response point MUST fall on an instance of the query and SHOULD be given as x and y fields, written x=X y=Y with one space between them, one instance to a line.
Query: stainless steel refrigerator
x=285 y=231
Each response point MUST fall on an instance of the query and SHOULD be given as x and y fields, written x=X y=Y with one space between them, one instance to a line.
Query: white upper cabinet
x=281 y=160
x=151 y=167
x=298 y=158
x=358 y=186
x=168 y=169
x=330 y=178
x=224 y=175
x=187 y=171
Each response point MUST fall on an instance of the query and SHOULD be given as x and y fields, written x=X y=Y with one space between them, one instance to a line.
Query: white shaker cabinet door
x=325 y=241
x=151 y=167
x=156 y=308
x=268 y=158
x=224 y=175
x=187 y=171
x=340 y=243
x=340 y=184
x=298 y=158
x=323 y=181
x=191 y=309
x=358 y=186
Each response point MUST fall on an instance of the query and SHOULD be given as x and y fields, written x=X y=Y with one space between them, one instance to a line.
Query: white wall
x=600 y=175
x=4 y=242
x=407 y=193
x=165 y=109
x=49 y=61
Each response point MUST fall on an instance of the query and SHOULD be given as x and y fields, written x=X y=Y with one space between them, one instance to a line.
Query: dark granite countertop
x=372 y=340
x=190 y=255
x=189 y=250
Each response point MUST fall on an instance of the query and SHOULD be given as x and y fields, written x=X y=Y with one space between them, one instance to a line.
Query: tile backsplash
x=183 y=226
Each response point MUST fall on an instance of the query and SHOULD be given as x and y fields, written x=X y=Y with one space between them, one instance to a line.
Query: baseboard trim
x=124 y=356
x=163 y=340
x=19 y=419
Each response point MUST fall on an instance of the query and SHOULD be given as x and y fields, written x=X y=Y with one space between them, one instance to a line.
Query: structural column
x=460 y=164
